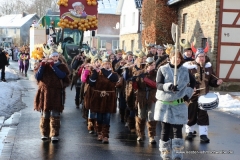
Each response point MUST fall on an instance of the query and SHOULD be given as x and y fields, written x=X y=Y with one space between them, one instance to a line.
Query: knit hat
x=53 y=54
x=199 y=51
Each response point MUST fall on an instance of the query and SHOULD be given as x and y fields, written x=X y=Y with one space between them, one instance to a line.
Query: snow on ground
x=228 y=104
x=10 y=74
x=10 y=98
x=10 y=94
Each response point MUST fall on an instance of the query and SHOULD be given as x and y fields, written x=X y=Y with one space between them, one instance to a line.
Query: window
x=123 y=45
x=204 y=40
x=132 y=45
x=103 y=43
x=183 y=41
x=115 y=44
x=133 y=18
x=184 y=23
x=124 y=19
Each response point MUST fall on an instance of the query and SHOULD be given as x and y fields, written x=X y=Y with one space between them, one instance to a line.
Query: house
x=218 y=23
x=106 y=37
x=17 y=26
x=130 y=24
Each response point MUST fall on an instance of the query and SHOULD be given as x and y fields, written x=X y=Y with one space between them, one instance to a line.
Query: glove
x=43 y=63
x=173 y=88
x=185 y=98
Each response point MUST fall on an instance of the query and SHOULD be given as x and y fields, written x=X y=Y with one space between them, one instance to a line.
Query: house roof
x=14 y=20
x=138 y=3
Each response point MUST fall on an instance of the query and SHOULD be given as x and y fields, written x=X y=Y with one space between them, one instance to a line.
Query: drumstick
x=216 y=77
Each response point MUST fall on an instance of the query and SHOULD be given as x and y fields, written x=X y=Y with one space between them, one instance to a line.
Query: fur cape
x=51 y=93
x=173 y=114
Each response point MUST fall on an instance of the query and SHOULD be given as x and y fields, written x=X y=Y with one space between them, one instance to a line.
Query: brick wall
x=106 y=22
x=202 y=22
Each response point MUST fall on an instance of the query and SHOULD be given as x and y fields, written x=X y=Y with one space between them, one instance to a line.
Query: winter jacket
x=3 y=59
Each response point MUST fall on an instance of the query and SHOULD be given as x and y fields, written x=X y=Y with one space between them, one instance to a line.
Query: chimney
x=24 y=14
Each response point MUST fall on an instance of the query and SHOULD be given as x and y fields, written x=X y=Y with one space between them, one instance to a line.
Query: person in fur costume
x=103 y=98
x=52 y=77
x=131 y=88
x=205 y=77
x=145 y=100
x=170 y=108
x=86 y=73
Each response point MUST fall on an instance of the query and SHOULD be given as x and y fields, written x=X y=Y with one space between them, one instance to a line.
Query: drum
x=208 y=102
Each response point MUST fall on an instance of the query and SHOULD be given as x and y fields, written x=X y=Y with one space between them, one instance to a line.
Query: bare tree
x=55 y=6
x=7 y=7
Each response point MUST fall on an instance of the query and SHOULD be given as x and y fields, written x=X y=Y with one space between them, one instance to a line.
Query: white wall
x=128 y=9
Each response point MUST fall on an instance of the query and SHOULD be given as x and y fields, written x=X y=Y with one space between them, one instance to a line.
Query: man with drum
x=205 y=77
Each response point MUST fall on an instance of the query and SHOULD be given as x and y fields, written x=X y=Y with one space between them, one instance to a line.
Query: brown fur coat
x=142 y=93
x=100 y=102
x=49 y=93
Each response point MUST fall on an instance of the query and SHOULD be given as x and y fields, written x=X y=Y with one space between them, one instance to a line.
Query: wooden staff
x=175 y=65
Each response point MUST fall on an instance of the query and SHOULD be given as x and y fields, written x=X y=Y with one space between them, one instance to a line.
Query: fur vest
x=51 y=93
x=173 y=114
x=204 y=77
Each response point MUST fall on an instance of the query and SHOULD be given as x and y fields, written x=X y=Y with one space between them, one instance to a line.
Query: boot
x=91 y=125
x=44 y=128
x=105 y=133
x=203 y=132
x=177 y=147
x=54 y=128
x=165 y=149
x=152 y=131
x=140 y=127
x=99 y=131
x=189 y=132
x=131 y=124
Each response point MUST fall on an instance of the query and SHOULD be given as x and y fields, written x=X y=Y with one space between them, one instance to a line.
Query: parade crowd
x=142 y=86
